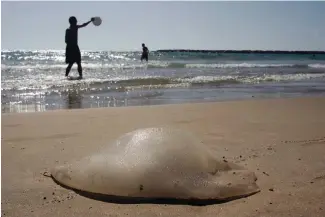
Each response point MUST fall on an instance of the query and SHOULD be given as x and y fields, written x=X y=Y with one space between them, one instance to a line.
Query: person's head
x=73 y=21
x=143 y=45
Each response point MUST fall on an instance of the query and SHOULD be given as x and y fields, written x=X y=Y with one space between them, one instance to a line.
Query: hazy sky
x=166 y=25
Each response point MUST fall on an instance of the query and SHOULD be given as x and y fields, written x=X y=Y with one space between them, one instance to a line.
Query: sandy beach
x=281 y=140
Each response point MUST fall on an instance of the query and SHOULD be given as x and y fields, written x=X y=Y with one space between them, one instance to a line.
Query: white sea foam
x=251 y=79
x=317 y=65
x=237 y=65
x=155 y=64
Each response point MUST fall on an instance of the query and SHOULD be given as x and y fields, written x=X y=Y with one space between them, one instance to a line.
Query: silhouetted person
x=72 y=51
x=145 y=52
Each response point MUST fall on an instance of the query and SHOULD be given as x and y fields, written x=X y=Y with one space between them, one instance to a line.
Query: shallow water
x=34 y=80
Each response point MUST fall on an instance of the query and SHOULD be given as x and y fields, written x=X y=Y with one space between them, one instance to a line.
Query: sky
x=166 y=25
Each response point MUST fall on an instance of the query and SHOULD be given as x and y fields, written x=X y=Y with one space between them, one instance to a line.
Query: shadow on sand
x=141 y=200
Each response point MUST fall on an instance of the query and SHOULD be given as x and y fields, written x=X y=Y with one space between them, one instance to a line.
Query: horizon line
x=185 y=51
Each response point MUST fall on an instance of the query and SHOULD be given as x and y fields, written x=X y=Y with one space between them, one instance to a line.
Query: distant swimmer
x=145 y=52
x=72 y=51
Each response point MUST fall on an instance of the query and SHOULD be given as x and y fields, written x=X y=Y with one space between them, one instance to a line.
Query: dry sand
x=281 y=140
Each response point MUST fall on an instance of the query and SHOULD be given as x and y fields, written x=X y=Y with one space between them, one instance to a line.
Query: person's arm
x=85 y=24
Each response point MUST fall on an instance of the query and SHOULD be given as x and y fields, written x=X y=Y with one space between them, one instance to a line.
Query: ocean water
x=34 y=80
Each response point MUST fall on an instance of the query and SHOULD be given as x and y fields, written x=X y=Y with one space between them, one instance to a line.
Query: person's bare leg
x=79 y=69
x=67 y=71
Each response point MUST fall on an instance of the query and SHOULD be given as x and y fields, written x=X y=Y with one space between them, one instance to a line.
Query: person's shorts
x=144 y=56
x=72 y=54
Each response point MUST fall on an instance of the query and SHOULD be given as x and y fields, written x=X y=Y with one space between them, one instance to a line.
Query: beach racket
x=97 y=21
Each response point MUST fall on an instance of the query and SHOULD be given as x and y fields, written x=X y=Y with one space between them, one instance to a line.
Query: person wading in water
x=72 y=51
x=145 y=52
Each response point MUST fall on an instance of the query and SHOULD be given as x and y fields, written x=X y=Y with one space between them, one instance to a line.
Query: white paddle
x=97 y=21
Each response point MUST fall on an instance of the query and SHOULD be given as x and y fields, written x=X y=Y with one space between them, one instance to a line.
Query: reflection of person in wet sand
x=72 y=52
x=74 y=99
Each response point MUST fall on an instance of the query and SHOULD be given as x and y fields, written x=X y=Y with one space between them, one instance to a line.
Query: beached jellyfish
x=158 y=163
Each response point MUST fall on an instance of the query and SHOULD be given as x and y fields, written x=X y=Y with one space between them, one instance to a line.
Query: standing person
x=72 y=51
x=145 y=52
